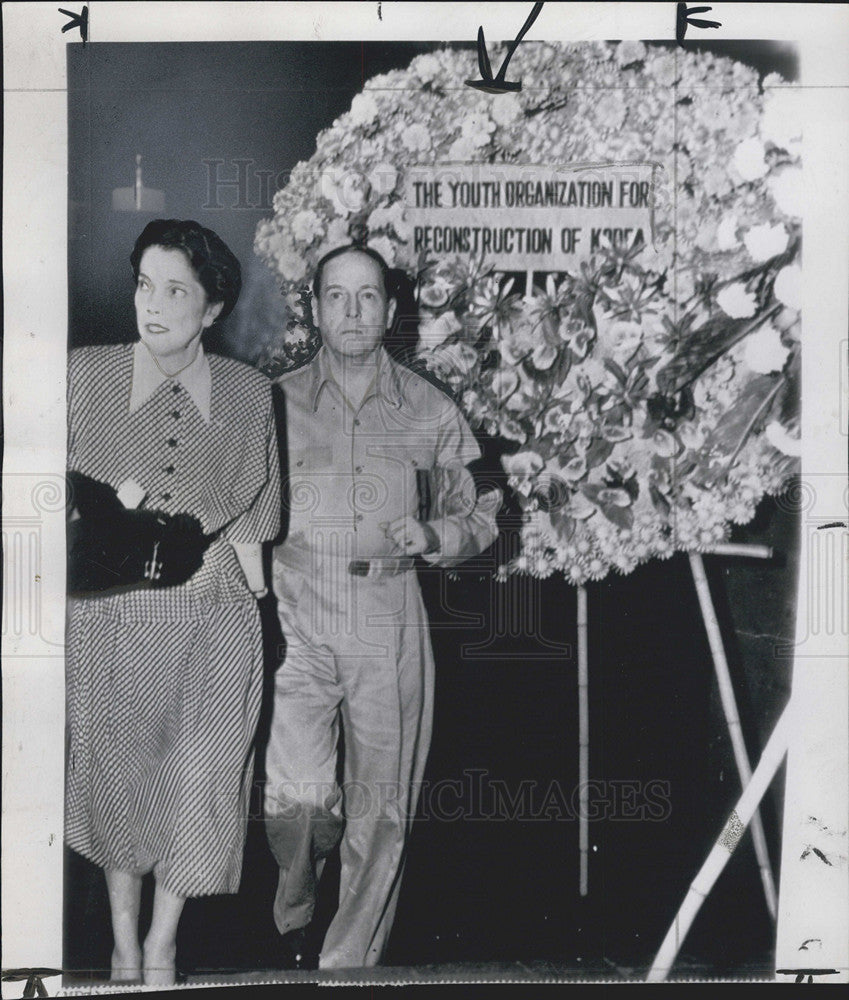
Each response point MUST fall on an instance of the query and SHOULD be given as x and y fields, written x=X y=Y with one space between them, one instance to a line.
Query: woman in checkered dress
x=164 y=684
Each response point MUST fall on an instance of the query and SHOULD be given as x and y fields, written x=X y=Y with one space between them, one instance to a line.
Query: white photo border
x=35 y=327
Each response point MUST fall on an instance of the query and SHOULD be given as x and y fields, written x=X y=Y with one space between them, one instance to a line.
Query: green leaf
x=732 y=425
x=599 y=451
x=659 y=500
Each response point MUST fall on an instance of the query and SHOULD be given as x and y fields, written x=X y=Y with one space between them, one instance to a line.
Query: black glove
x=111 y=547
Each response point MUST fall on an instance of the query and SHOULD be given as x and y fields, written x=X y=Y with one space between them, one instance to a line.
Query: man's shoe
x=299 y=950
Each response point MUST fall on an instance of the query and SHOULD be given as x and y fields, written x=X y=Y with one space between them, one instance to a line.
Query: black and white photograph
x=425 y=494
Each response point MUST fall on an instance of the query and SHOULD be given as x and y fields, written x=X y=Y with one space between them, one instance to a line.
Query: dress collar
x=147 y=378
x=387 y=382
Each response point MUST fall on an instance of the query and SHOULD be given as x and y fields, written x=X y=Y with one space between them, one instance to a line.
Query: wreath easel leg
x=583 y=743
x=741 y=815
x=732 y=718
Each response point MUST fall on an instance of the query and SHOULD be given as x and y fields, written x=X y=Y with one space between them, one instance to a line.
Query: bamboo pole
x=732 y=718
x=583 y=743
x=529 y=283
x=722 y=850
x=742 y=549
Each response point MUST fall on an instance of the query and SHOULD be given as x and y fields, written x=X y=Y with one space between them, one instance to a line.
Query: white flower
x=763 y=351
x=435 y=292
x=337 y=235
x=345 y=188
x=624 y=337
x=505 y=108
x=363 y=109
x=390 y=218
x=726 y=233
x=504 y=383
x=384 y=246
x=736 y=302
x=291 y=266
x=664 y=69
x=630 y=52
x=523 y=463
x=436 y=329
x=785 y=186
x=477 y=127
x=766 y=241
x=788 y=286
x=781 y=440
x=749 y=159
x=427 y=67
x=706 y=236
x=130 y=494
x=383 y=178
x=416 y=138
x=462 y=149
x=781 y=122
x=543 y=356
x=610 y=110
x=306 y=225
x=457 y=359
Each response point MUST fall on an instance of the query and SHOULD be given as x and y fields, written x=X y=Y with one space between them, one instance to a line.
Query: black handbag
x=111 y=547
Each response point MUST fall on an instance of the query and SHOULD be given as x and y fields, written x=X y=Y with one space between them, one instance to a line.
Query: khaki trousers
x=359 y=654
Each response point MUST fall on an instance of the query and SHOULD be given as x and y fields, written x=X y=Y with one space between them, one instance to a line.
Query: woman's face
x=172 y=309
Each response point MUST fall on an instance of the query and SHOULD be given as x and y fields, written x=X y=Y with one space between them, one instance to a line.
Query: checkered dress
x=163 y=686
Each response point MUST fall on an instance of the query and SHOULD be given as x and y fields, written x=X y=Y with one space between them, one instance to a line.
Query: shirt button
x=300 y=462
x=359 y=468
x=169 y=469
x=176 y=388
x=356 y=421
x=175 y=414
x=166 y=496
x=172 y=442
x=359 y=517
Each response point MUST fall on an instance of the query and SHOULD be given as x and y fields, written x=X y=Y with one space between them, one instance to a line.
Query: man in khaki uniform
x=367 y=438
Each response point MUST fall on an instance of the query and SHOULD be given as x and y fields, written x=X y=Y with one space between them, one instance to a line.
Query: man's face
x=352 y=310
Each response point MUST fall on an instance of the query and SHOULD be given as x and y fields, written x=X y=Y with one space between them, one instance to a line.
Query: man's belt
x=305 y=561
x=384 y=566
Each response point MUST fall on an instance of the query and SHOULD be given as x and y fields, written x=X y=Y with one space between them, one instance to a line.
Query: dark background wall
x=476 y=889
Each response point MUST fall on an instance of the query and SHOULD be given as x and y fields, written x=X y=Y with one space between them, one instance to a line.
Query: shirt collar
x=147 y=378
x=387 y=384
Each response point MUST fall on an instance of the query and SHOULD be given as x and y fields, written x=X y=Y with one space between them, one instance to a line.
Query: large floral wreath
x=650 y=397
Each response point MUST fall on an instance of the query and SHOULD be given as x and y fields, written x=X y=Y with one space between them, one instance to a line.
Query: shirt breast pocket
x=406 y=472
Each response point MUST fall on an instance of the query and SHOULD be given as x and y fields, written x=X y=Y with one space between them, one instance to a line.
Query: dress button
x=172 y=442
x=359 y=517
x=356 y=421
x=300 y=462
x=358 y=469
x=176 y=388
x=175 y=414
x=166 y=496
x=169 y=469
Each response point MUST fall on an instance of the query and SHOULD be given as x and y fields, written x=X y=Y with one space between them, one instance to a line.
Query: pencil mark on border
x=684 y=21
x=499 y=84
x=77 y=21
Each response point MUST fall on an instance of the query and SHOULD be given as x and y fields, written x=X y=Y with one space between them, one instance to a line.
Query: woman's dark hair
x=214 y=263
x=388 y=283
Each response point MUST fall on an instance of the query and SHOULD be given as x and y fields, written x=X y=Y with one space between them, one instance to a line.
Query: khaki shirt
x=353 y=470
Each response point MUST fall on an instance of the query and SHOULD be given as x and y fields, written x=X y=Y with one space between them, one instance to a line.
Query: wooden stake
x=723 y=848
x=742 y=549
x=732 y=718
x=583 y=743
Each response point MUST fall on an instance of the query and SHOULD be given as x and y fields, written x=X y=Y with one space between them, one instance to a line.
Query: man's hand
x=411 y=537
